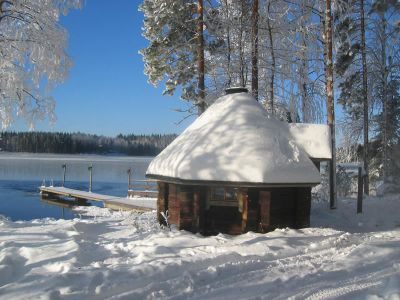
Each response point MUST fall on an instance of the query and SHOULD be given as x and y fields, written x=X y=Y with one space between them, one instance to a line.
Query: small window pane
x=230 y=194
x=218 y=194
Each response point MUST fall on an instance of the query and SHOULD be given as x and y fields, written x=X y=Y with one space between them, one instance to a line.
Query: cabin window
x=223 y=196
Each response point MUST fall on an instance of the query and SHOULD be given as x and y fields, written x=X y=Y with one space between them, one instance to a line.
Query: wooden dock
x=113 y=202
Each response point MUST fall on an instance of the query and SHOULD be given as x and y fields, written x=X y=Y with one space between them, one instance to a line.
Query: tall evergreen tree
x=172 y=53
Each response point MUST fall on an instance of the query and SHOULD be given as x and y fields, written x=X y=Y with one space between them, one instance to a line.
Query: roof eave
x=228 y=183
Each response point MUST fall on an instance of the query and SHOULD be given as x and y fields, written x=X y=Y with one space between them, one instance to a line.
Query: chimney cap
x=236 y=89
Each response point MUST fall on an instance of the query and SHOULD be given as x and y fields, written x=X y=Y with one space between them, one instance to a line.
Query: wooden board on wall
x=173 y=204
x=185 y=198
x=161 y=205
x=244 y=207
x=265 y=210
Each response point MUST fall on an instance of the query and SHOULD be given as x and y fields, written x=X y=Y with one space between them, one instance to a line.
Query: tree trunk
x=384 y=98
x=200 y=58
x=330 y=101
x=228 y=44
x=241 y=46
x=254 y=52
x=365 y=100
x=273 y=63
x=304 y=71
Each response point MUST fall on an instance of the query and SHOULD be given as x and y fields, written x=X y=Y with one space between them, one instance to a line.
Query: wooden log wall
x=265 y=211
x=173 y=205
x=258 y=210
x=185 y=198
x=244 y=208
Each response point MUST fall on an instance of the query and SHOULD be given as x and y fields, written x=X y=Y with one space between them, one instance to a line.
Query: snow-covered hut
x=237 y=168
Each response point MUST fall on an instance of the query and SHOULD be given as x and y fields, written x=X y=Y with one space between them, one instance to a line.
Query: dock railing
x=143 y=188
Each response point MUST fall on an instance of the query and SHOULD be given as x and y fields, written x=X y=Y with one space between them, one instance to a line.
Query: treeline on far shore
x=82 y=143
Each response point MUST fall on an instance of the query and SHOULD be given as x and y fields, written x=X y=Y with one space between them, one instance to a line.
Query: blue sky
x=107 y=92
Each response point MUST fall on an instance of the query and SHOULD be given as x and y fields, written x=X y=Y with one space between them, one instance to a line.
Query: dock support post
x=360 y=191
x=90 y=177
x=129 y=179
x=64 y=166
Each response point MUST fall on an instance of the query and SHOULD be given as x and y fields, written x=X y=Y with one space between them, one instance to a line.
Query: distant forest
x=78 y=143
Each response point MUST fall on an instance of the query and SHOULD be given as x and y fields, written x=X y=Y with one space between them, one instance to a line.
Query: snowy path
x=124 y=255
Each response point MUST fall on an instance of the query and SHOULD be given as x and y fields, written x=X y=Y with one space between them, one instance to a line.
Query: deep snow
x=126 y=255
x=237 y=140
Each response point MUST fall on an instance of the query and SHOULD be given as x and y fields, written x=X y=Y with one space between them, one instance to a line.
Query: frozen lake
x=22 y=174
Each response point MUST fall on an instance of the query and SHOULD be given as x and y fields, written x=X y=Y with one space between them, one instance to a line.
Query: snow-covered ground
x=122 y=255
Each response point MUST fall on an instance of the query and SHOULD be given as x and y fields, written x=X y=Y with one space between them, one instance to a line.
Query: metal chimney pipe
x=234 y=90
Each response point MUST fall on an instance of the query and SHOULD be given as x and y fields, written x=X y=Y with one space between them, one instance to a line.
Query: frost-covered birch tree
x=33 y=57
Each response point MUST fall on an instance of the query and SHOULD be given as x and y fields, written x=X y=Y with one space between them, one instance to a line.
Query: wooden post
x=161 y=205
x=64 y=166
x=90 y=177
x=196 y=210
x=360 y=191
x=265 y=211
x=245 y=208
x=129 y=178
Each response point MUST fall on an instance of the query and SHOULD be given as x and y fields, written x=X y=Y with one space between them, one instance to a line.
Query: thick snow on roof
x=313 y=138
x=236 y=140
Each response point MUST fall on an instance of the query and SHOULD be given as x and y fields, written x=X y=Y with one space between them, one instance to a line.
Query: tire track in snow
x=226 y=273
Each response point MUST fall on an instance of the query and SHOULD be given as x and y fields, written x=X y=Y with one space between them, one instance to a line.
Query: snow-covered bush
x=320 y=193
x=343 y=182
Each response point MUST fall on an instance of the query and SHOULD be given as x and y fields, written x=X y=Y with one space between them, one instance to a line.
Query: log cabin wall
x=186 y=207
x=279 y=208
x=173 y=205
x=259 y=210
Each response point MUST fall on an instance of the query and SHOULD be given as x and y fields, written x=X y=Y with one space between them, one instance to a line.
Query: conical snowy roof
x=235 y=141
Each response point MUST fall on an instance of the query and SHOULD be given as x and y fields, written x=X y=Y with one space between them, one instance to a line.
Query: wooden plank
x=161 y=207
x=196 y=210
x=173 y=205
x=265 y=211
x=202 y=208
x=224 y=203
x=109 y=201
x=244 y=203
x=185 y=209
x=148 y=194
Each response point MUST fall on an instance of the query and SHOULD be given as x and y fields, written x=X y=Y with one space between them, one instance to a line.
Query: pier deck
x=113 y=202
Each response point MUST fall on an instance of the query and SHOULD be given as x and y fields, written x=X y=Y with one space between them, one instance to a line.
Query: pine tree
x=171 y=29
